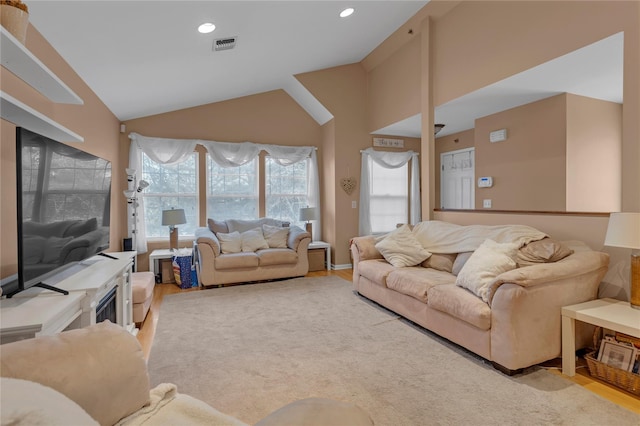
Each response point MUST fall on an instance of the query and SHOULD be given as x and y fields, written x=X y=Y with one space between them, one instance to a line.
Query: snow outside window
x=286 y=190
x=170 y=186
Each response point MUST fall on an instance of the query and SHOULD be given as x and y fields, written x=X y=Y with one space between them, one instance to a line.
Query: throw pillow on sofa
x=545 y=250
x=401 y=248
x=485 y=264
x=230 y=243
x=276 y=236
x=253 y=240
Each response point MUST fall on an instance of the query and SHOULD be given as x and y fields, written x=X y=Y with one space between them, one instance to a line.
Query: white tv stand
x=37 y=311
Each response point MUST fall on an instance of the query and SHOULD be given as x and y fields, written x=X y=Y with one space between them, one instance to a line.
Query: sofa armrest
x=205 y=236
x=366 y=247
x=526 y=307
x=100 y=367
x=296 y=235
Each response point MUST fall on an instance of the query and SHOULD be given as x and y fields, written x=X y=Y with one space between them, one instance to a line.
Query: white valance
x=164 y=151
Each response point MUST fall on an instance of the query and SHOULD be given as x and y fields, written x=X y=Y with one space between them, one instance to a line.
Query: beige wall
x=594 y=135
x=528 y=169
x=93 y=121
x=397 y=79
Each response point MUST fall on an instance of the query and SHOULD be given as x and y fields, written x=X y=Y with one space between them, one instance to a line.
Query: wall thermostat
x=485 y=182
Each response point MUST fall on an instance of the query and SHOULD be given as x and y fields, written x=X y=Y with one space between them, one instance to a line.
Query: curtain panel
x=389 y=160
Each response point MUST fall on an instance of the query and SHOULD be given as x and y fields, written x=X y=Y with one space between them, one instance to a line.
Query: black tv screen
x=63 y=204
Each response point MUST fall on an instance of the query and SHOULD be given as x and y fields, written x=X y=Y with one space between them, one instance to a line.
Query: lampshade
x=308 y=213
x=623 y=230
x=173 y=217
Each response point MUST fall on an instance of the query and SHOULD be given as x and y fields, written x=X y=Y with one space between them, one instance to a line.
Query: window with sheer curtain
x=232 y=192
x=389 y=197
x=389 y=190
x=286 y=190
x=174 y=185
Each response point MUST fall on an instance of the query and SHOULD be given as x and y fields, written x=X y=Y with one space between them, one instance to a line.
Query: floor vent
x=224 y=43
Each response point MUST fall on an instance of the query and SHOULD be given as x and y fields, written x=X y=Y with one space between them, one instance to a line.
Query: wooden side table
x=611 y=314
x=315 y=245
x=161 y=254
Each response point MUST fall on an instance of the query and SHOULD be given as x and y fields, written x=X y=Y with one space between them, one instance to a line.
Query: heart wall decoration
x=348 y=184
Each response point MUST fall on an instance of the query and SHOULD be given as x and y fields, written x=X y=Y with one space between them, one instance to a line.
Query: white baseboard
x=343 y=266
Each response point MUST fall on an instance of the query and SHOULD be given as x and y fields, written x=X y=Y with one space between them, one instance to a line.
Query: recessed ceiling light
x=347 y=12
x=206 y=28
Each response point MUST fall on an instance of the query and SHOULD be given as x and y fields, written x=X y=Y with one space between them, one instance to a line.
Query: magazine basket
x=620 y=378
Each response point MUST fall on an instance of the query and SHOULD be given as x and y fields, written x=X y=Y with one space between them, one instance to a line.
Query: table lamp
x=624 y=231
x=308 y=214
x=171 y=218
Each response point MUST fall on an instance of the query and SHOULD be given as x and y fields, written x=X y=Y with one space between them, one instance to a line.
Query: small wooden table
x=162 y=254
x=608 y=313
x=314 y=245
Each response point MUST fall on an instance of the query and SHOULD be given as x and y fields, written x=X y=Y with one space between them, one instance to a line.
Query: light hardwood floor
x=582 y=378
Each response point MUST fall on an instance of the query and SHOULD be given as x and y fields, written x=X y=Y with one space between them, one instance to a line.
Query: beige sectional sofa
x=513 y=319
x=237 y=251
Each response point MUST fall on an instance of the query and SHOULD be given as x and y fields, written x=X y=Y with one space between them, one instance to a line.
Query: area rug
x=248 y=350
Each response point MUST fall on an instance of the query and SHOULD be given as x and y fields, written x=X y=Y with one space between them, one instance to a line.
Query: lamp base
x=173 y=238
x=635 y=281
x=309 y=228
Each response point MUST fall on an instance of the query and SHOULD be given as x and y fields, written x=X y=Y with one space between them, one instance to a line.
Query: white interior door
x=457 y=179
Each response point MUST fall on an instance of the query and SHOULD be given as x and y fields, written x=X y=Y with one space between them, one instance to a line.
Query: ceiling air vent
x=224 y=43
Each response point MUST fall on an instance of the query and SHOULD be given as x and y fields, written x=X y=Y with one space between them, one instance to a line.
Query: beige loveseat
x=98 y=375
x=499 y=298
x=236 y=251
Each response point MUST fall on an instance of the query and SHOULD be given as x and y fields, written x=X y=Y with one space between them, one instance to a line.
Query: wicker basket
x=623 y=379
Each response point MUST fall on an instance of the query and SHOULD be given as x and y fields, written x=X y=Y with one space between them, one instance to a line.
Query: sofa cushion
x=440 y=261
x=460 y=304
x=417 y=281
x=542 y=251
x=277 y=256
x=230 y=243
x=236 y=260
x=376 y=270
x=485 y=264
x=253 y=240
x=401 y=248
x=276 y=236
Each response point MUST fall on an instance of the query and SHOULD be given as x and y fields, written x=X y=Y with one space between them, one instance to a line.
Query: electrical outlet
x=486 y=204
x=354 y=204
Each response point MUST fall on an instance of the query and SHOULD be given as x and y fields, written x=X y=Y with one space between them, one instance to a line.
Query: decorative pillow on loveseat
x=401 y=248
x=485 y=264
x=276 y=236
x=253 y=240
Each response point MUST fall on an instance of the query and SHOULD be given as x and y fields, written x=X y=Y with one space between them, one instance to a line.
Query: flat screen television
x=63 y=205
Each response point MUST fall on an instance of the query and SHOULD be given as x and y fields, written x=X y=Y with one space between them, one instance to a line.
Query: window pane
x=286 y=190
x=170 y=186
x=232 y=192
x=389 y=197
